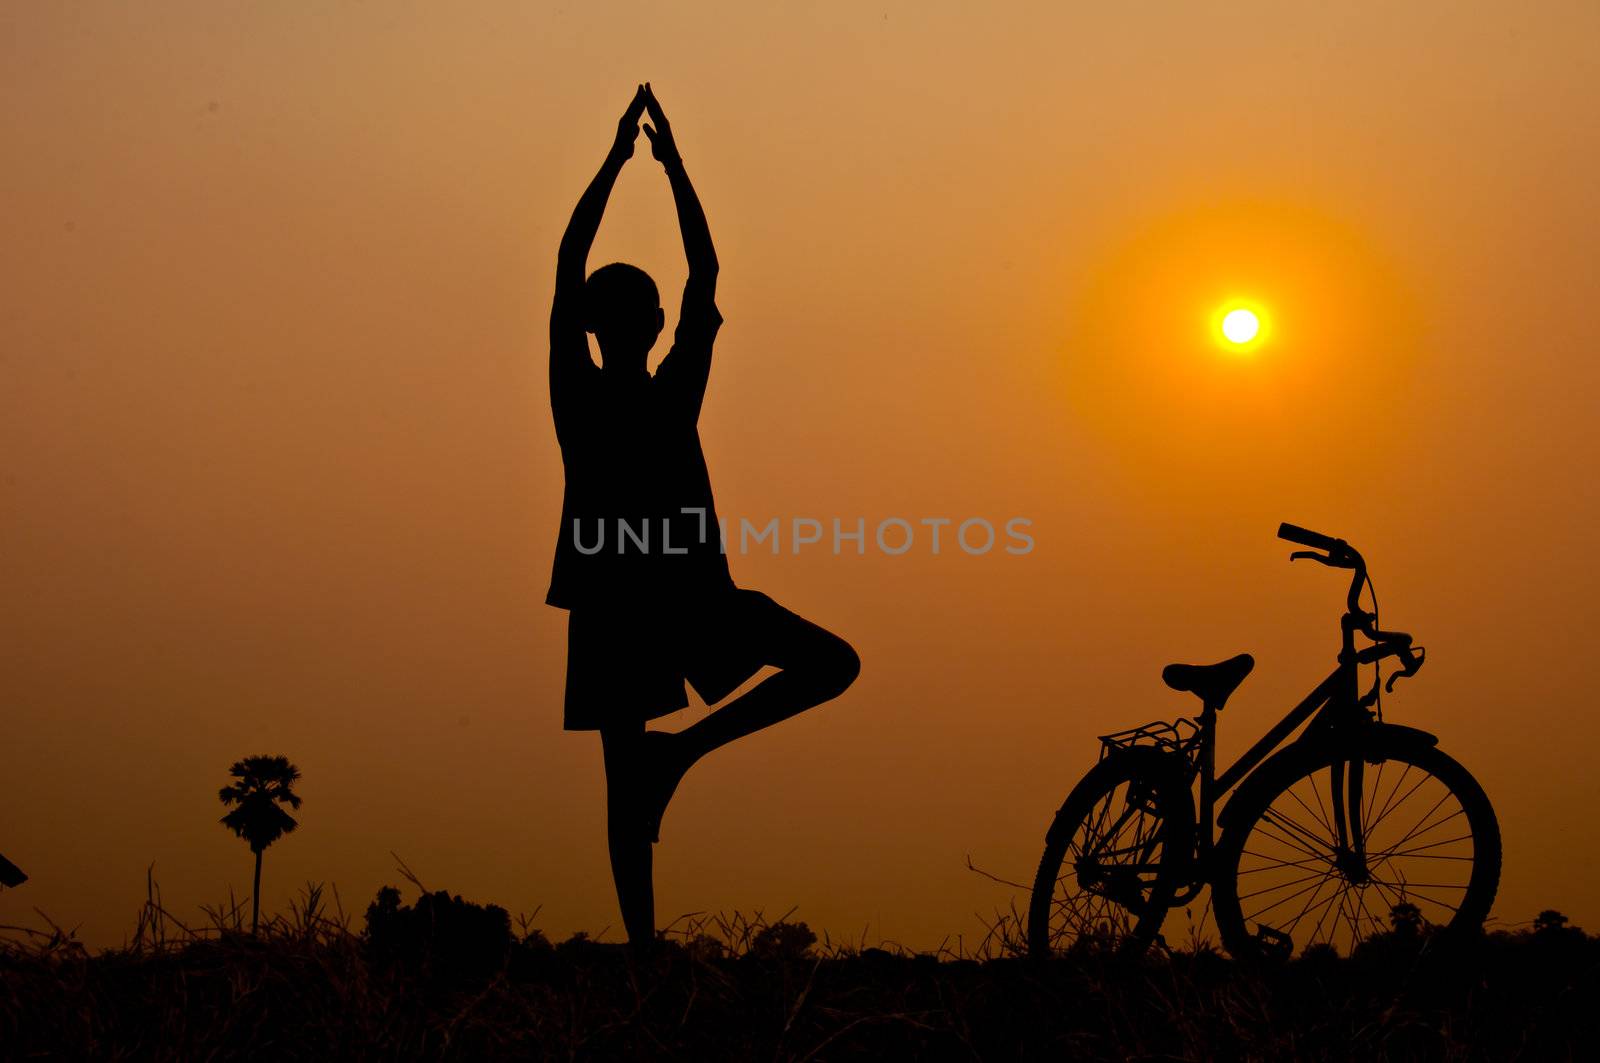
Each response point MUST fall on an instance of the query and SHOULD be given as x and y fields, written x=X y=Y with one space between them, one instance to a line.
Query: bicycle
x=1355 y=827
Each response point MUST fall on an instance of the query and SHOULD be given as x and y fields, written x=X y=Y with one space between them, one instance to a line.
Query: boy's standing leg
x=629 y=840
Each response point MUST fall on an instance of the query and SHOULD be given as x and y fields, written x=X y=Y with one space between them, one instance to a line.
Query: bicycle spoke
x=1407 y=891
x=1310 y=832
x=1275 y=863
x=1311 y=900
x=1395 y=790
x=1386 y=853
x=1408 y=884
x=1394 y=899
x=1418 y=831
x=1284 y=824
x=1074 y=845
x=1283 y=885
x=1320 y=812
x=1352 y=906
x=1258 y=914
x=1325 y=907
x=1404 y=883
x=1344 y=915
x=1396 y=804
x=1418 y=854
x=1420 y=820
x=1099 y=914
x=1079 y=919
x=1121 y=821
x=1105 y=810
x=1289 y=842
x=1077 y=913
x=1377 y=923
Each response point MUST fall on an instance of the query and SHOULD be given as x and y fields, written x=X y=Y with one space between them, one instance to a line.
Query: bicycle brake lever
x=1312 y=555
x=1413 y=659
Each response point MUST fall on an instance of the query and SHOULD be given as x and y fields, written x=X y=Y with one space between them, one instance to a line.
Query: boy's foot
x=663 y=765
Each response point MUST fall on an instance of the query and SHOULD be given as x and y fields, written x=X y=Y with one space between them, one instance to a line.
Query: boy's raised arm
x=567 y=325
x=697 y=247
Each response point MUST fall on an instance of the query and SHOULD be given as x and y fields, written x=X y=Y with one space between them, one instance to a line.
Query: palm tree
x=261 y=785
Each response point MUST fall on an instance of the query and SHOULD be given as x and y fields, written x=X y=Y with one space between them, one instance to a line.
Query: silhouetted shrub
x=1552 y=924
x=441 y=936
x=705 y=948
x=1406 y=919
x=783 y=941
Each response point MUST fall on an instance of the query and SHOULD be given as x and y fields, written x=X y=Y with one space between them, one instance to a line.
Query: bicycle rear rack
x=1180 y=737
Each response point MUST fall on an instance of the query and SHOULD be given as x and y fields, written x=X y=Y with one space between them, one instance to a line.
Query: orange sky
x=277 y=472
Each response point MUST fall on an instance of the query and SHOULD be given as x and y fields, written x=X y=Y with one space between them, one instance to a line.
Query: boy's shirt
x=630 y=445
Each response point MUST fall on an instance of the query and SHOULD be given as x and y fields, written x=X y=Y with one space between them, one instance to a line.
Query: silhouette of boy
x=639 y=561
x=11 y=875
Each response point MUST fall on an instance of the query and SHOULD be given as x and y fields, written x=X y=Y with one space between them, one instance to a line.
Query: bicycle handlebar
x=1305 y=537
x=1340 y=554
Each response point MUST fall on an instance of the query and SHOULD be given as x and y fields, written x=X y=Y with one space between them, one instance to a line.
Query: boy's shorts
x=628 y=664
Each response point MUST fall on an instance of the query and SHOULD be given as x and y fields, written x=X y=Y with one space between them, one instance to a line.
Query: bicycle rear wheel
x=1431 y=859
x=1114 y=855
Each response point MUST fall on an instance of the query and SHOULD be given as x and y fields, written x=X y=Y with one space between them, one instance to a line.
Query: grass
x=442 y=978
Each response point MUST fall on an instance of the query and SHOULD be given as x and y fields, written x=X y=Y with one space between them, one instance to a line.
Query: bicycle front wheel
x=1114 y=856
x=1429 y=853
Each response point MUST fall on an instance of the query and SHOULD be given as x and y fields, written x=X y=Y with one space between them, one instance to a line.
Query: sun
x=1240 y=325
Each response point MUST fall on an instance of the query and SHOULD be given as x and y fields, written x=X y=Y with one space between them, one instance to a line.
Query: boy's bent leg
x=631 y=864
x=816 y=666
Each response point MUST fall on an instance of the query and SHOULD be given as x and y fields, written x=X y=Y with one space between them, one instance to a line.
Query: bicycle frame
x=1341 y=681
x=1335 y=706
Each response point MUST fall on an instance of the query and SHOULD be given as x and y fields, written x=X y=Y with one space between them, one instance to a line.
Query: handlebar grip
x=1316 y=540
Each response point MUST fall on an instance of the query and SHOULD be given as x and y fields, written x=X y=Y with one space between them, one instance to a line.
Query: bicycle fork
x=1350 y=856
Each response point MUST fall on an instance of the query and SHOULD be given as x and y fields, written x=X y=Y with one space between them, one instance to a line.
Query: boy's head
x=623 y=310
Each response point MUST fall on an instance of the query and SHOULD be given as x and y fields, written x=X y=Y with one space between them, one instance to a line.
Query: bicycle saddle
x=1212 y=682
